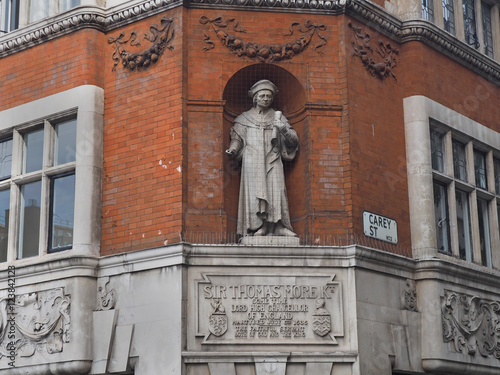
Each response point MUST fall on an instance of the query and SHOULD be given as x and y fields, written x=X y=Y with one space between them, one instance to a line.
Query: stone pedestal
x=270 y=241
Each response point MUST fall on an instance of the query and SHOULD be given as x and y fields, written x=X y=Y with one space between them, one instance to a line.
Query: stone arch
x=291 y=100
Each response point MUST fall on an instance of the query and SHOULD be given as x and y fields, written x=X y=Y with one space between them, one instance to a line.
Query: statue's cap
x=263 y=84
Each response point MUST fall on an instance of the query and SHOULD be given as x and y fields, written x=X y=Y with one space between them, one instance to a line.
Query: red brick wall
x=143 y=149
x=57 y=65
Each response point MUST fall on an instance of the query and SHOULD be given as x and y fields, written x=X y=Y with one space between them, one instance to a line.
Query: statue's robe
x=261 y=147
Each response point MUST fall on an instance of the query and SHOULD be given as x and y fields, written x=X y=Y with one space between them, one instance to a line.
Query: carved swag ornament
x=381 y=66
x=41 y=324
x=159 y=36
x=472 y=324
x=258 y=51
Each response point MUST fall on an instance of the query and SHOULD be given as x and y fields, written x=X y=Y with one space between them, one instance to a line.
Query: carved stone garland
x=381 y=67
x=259 y=51
x=472 y=324
x=41 y=323
x=160 y=37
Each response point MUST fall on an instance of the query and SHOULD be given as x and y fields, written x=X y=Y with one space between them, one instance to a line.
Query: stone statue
x=262 y=138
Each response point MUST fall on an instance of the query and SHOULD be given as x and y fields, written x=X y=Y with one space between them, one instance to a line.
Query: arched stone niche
x=291 y=100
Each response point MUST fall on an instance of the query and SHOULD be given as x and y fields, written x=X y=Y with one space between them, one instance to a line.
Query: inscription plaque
x=268 y=309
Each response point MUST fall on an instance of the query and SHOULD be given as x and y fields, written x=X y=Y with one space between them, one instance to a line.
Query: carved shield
x=322 y=324
x=217 y=324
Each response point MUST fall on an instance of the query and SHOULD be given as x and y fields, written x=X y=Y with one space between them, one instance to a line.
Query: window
x=9 y=11
x=428 y=10
x=46 y=166
x=470 y=23
x=456 y=163
x=38 y=9
x=449 y=16
x=47 y=170
x=64 y=5
x=442 y=221
x=459 y=161
x=487 y=29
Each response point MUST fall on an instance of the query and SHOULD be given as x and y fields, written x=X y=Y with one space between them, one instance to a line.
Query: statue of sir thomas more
x=262 y=139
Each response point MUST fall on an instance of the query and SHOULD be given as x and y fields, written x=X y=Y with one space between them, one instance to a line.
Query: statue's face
x=264 y=98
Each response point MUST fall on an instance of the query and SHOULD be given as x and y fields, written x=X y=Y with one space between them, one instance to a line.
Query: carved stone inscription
x=264 y=309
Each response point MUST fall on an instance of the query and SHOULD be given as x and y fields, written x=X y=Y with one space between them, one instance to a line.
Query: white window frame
x=87 y=102
x=420 y=114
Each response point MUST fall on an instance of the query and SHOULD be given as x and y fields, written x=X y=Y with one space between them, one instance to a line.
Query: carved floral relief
x=160 y=38
x=41 y=324
x=260 y=51
x=379 y=62
x=472 y=324
x=410 y=296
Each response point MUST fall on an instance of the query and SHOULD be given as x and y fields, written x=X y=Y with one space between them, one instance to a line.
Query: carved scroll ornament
x=410 y=296
x=381 y=66
x=41 y=324
x=106 y=298
x=259 y=51
x=159 y=36
x=472 y=324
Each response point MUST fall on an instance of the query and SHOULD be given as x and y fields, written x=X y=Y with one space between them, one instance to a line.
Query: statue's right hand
x=230 y=152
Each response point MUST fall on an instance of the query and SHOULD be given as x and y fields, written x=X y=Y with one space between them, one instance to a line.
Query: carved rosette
x=410 y=296
x=379 y=62
x=217 y=323
x=259 y=51
x=159 y=36
x=35 y=322
x=472 y=324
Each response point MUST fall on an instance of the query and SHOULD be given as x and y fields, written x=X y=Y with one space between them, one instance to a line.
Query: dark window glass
x=29 y=225
x=11 y=16
x=5 y=158
x=449 y=16
x=4 y=223
x=496 y=164
x=441 y=215
x=487 y=29
x=459 y=161
x=484 y=232
x=480 y=170
x=463 y=226
x=470 y=23
x=65 y=142
x=428 y=10
x=62 y=212
x=437 y=150
x=33 y=151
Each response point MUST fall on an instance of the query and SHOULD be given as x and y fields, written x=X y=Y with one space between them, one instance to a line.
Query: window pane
x=484 y=232
x=441 y=214
x=459 y=161
x=33 y=151
x=62 y=213
x=487 y=29
x=437 y=150
x=5 y=158
x=470 y=23
x=38 y=9
x=65 y=142
x=4 y=223
x=428 y=10
x=29 y=225
x=463 y=226
x=496 y=164
x=68 y=4
x=11 y=16
x=480 y=169
x=449 y=16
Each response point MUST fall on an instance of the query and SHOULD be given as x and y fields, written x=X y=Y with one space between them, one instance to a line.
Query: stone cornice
x=366 y=12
